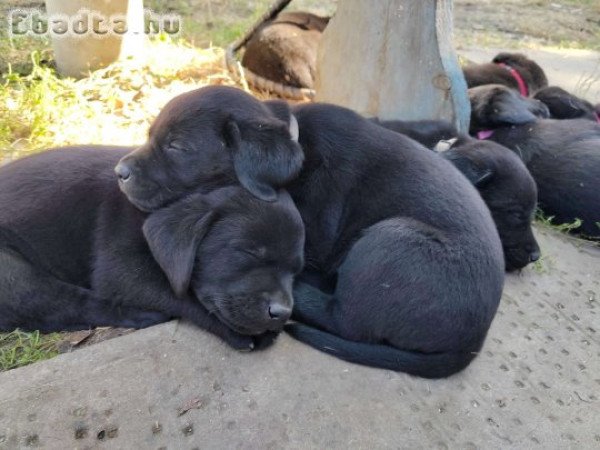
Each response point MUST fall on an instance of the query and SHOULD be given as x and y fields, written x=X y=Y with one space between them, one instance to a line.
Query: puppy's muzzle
x=279 y=309
x=123 y=171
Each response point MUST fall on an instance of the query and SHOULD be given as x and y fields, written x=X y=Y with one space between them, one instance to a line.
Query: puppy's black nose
x=279 y=311
x=123 y=172
x=534 y=256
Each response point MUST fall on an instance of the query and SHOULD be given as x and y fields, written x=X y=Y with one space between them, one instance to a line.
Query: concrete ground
x=536 y=384
x=577 y=71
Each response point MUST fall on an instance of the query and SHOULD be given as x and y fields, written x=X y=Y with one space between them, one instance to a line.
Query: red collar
x=485 y=134
x=517 y=76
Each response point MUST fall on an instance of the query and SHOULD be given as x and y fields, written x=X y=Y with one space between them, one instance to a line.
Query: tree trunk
x=393 y=59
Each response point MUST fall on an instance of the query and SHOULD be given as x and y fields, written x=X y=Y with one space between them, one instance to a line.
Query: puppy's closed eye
x=258 y=253
x=176 y=147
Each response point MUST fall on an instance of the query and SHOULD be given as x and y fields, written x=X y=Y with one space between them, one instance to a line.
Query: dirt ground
x=527 y=23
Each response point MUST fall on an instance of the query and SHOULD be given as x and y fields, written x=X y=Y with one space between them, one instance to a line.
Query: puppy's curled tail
x=426 y=365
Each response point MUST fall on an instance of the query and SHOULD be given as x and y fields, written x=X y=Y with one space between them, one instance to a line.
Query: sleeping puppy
x=563 y=157
x=76 y=254
x=284 y=50
x=508 y=190
x=417 y=283
x=499 y=175
x=499 y=105
x=509 y=69
x=563 y=105
x=212 y=143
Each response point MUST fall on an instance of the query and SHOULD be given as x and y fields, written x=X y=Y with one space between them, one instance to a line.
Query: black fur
x=494 y=105
x=499 y=175
x=426 y=132
x=210 y=143
x=76 y=254
x=563 y=105
x=563 y=157
x=493 y=73
x=508 y=190
x=413 y=250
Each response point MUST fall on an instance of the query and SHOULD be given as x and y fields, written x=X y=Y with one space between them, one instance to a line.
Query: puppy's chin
x=513 y=264
x=234 y=325
x=510 y=268
x=145 y=203
x=241 y=328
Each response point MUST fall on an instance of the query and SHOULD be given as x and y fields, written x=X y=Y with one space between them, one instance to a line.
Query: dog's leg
x=32 y=299
x=314 y=307
x=398 y=286
x=397 y=304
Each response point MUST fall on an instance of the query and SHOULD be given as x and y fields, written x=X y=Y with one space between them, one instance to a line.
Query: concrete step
x=536 y=384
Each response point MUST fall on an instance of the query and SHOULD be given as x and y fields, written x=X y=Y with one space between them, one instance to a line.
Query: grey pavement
x=577 y=71
x=536 y=384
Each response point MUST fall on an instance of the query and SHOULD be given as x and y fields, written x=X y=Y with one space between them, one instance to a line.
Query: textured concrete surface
x=577 y=71
x=535 y=385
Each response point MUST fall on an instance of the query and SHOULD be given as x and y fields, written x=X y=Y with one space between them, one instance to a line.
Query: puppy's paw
x=265 y=340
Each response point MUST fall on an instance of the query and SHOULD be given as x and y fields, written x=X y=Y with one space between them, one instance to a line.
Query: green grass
x=29 y=105
x=543 y=265
x=18 y=348
x=548 y=221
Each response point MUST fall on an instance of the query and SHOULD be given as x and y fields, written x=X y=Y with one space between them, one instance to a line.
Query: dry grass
x=113 y=106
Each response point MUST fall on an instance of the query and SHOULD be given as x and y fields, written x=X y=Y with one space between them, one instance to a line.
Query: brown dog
x=285 y=49
x=509 y=69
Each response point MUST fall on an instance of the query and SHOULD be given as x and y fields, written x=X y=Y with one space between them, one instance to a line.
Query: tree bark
x=393 y=59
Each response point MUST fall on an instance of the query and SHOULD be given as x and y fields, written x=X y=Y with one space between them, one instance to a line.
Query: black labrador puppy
x=76 y=254
x=514 y=70
x=403 y=238
x=564 y=105
x=284 y=50
x=508 y=190
x=499 y=175
x=563 y=157
x=494 y=105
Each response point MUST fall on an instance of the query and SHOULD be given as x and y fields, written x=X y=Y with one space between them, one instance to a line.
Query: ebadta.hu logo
x=34 y=22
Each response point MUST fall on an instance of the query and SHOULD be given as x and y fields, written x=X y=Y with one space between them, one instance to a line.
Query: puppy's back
x=51 y=200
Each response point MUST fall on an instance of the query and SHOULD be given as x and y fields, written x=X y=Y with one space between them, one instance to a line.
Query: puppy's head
x=563 y=105
x=235 y=254
x=508 y=190
x=529 y=70
x=212 y=137
x=494 y=105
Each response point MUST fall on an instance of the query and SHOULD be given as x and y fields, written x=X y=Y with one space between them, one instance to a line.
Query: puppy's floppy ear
x=510 y=110
x=281 y=110
x=478 y=174
x=510 y=107
x=265 y=151
x=173 y=235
